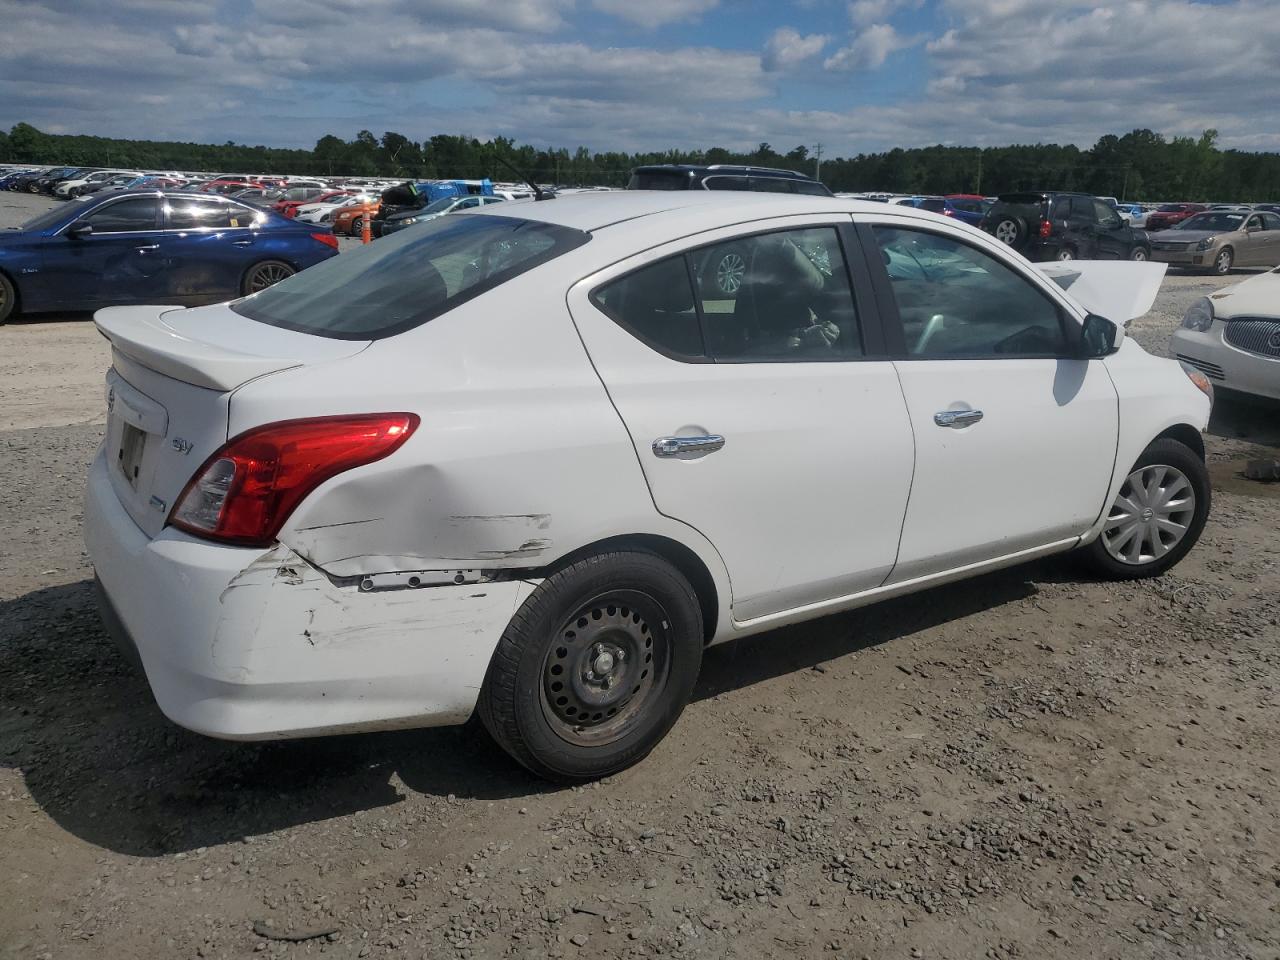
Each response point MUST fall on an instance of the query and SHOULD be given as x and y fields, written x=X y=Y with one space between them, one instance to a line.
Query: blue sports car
x=151 y=247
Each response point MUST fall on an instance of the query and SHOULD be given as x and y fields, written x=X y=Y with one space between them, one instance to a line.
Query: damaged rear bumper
x=257 y=644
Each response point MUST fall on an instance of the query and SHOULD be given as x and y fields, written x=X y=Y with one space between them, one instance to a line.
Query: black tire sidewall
x=1163 y=452
x=9 y=307
x=511 y=702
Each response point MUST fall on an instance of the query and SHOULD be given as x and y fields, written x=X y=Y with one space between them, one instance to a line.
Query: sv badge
x=183 y=446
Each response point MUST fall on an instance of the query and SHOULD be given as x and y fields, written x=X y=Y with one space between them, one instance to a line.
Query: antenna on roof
x=538 y=193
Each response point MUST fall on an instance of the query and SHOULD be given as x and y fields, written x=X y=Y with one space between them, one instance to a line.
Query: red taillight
x=1046 y=228
x=328 y=239
x=245 y=492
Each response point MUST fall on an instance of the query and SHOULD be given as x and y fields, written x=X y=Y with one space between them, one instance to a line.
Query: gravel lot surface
x=1027 y=765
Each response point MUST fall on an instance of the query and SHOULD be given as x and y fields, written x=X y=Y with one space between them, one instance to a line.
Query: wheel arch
x=1186 y=435
x=674 y=552
x=17 y=293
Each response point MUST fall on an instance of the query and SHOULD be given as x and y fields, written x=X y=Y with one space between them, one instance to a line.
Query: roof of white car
x=594 y=211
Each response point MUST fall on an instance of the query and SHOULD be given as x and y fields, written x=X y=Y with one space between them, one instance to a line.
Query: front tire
x=8 y=299
x=1156 y=518
x=595 y=667
x=1223 y=261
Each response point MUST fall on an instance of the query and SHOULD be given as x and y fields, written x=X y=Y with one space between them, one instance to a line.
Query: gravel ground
x=1027 y=765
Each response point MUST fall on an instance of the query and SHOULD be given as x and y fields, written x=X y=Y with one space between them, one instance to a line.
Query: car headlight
x=1198 y=378
x=405 y=223
x=1205 y=244
x=1200 y=316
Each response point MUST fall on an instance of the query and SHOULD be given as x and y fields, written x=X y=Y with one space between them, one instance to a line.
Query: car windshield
x=439 y=206
x=1222 y=222
x=408 y=278
x=55 y=216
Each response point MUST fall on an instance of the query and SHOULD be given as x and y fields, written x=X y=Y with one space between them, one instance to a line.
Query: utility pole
x=978 y=186
x=817 y=161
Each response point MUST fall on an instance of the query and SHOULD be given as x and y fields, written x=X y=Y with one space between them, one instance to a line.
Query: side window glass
x=1105 y=215
x=124 y=216
x=656 y=305
x=777 y=296
x=1253 y=223
x=810 y=189
x=769 y=185
x=956 y=301
x=207 y=215
x=725 y=183
x=1270 y=221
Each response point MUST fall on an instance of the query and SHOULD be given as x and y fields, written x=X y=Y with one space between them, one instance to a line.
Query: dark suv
x=682 y=176
x=1064 y=226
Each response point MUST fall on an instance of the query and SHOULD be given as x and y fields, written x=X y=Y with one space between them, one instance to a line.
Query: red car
x=226 y=187
x=1171 y=214
x=289 y=206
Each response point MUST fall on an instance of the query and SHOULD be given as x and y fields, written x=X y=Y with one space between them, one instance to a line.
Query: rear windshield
x=659 y=180
x=405 y=279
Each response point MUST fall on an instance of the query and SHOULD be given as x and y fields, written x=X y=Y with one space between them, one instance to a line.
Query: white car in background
x=323 y=212
x=529 y=461
x=1232 y=336
x=70 y=189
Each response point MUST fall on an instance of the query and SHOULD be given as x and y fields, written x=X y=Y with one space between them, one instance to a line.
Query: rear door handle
x=154 y=246
x=956 y=419
x=241 y=243
x=674 y=446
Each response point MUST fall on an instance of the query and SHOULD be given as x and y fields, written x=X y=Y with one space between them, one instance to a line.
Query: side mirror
x=1099 y=338
x=80 y=230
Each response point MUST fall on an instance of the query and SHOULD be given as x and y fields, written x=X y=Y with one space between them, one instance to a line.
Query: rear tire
x=357 y=227
x=1065 y=253
x=1139 y=254
x=1140 y=537
x=263 y=274
x=8 y=298
x=595 y=667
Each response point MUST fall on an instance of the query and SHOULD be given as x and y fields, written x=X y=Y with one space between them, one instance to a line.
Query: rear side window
x=408 y=278
x=725 y=183
x=659 y=180
x=772 y=297
x=183 y=214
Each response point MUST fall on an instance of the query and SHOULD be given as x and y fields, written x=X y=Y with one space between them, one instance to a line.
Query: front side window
x=124 y=216
x=771 y=297
x=408 y=277
x=956 y=301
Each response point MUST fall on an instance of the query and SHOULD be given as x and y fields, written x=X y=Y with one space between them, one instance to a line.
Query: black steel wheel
x=595 y=667
x=265 y=274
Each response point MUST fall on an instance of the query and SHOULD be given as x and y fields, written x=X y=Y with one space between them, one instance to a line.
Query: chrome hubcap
x=729 y=273
x=1150 y=516
x=1006 y=231
x=605 y=666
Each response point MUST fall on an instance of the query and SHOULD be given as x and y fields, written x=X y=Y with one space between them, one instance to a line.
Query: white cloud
x=655 y=13
x=786 y=47
x=869 y=49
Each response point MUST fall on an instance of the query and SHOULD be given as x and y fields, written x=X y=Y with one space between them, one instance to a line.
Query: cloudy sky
x=855 y=75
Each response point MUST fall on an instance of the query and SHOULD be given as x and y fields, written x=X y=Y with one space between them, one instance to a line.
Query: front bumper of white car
x=252 y=644
x=1226 y=365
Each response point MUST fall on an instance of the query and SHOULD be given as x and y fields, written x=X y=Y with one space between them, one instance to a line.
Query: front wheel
x=1157 y=516
x=595 y=667
x=1222 y=263
x=265 y=274
x=8 y=298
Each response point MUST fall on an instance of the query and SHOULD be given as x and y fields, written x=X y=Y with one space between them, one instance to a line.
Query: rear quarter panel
x=520 y=458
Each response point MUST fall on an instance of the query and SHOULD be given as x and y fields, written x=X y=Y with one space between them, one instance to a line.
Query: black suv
x=1064 y=226
x=719 y=176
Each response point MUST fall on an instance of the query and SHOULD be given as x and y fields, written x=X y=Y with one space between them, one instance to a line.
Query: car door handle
x=674 y=446
x=242 y=243
x=154 y=246
x=957 y=419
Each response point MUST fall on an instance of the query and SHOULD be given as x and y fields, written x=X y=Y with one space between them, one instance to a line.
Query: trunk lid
x=173 y=372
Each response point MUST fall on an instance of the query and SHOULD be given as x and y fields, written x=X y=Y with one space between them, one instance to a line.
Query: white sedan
x=528 y=461
x=323 y=212
x=1233 y=336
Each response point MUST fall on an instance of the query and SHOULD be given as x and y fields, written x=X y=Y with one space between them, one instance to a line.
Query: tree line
x=1140 y=165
